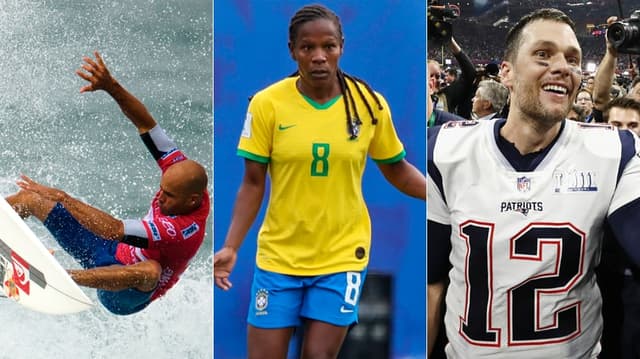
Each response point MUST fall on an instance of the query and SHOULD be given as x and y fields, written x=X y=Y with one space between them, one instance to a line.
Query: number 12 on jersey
x=524 y=325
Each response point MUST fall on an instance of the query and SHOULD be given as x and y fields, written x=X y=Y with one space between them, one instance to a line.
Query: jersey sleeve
x=438 y=250
x=162 y=148
x=162 y=230
x=257 y=132
x=385 y=146
x=438 y=216
x=437 y=209
x=624 y=209
x=134 y=227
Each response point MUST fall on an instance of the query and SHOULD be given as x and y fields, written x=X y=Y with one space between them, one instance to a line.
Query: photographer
x=458 y=94
x=604 y=77
x=619 y=42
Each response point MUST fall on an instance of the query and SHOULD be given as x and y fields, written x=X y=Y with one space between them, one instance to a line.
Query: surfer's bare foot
x=28 y=203
x=19 y=202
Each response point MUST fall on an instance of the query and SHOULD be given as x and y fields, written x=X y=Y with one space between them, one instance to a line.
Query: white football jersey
x=524 y=244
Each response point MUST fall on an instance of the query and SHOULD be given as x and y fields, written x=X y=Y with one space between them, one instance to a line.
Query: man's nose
x=560 y=64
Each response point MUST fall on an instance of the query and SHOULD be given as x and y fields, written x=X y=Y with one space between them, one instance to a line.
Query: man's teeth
x=555 y=88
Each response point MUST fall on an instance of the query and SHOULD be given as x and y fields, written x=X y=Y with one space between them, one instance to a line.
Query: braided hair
x=314 y=12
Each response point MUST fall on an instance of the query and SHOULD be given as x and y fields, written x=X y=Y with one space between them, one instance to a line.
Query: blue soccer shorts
x=93 y=251
x=283 y=301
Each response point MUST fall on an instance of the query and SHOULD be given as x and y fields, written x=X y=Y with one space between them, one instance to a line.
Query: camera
x=624 y=35
x=438 y=16
x=624 y=81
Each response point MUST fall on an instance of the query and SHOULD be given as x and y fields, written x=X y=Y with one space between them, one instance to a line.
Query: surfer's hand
x=49 y=193
x=223 y=262
x=96 y=72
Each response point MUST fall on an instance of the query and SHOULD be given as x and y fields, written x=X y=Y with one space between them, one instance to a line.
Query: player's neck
x=319 y=94
x=528 y=135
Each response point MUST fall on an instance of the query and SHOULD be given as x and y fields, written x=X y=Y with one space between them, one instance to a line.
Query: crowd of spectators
x=482 y=30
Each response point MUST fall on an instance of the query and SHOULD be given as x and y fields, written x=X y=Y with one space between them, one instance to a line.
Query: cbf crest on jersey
x=524 y=184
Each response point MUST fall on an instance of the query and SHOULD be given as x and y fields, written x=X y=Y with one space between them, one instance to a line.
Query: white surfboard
x=29 y=274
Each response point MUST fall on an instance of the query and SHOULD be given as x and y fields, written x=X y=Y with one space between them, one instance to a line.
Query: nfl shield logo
x=524 y=184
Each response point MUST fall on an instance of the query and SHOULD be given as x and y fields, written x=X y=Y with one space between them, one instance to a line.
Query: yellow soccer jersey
x=316 y=221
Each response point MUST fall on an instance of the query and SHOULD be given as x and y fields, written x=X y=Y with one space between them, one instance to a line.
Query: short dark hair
x=626 y=103
x=514 y=37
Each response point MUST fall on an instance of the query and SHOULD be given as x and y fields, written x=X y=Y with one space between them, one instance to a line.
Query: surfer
x=135 y=261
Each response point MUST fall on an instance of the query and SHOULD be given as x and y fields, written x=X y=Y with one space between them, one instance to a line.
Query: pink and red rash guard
x=172 y=240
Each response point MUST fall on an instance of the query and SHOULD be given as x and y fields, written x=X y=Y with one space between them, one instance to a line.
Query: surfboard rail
x=30 y=274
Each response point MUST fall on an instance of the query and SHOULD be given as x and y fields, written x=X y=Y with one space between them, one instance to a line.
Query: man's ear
x=195 y=198
x=488 y=106
x=506 y=74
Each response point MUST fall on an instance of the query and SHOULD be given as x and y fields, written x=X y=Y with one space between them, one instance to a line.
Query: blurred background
x=481 y=26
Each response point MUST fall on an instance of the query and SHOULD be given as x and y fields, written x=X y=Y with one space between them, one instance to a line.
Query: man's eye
x=541 y=54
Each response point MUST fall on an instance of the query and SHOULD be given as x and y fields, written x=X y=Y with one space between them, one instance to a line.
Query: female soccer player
x=312 y=133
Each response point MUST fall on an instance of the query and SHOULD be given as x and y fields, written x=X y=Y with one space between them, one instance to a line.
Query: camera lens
x=616 y=34
x=623 y=35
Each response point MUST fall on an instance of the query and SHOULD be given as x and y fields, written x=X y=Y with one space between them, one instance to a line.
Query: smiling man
x=514 y=230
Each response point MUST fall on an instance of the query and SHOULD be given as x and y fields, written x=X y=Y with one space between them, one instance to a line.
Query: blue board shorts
x=283 y=301
x=93 y=251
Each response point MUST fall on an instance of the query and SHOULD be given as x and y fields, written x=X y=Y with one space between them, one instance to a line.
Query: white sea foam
x=178 y=325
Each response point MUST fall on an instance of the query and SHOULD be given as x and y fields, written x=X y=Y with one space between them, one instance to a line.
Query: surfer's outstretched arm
x=99 y=78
